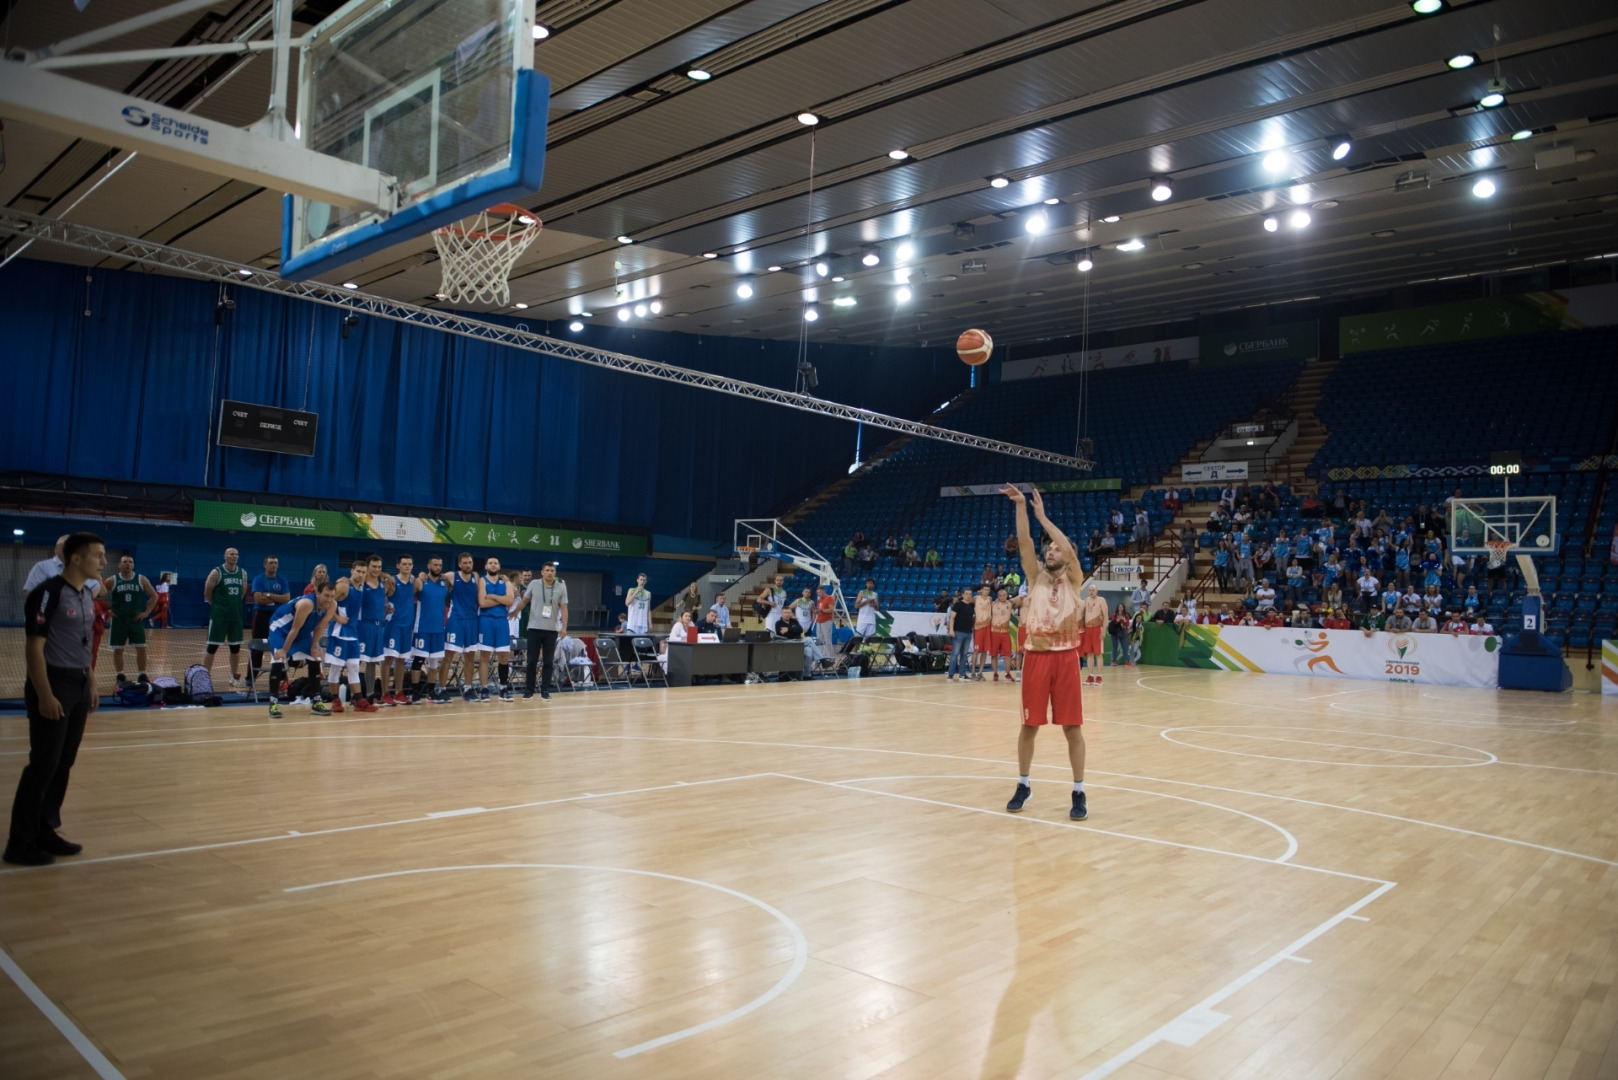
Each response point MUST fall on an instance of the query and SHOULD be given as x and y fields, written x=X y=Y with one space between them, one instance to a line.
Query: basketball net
x=1498 y=549
x=478 y=254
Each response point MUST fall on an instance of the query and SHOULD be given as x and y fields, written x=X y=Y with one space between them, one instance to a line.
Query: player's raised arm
x=1025 y=540
x=1075 y=572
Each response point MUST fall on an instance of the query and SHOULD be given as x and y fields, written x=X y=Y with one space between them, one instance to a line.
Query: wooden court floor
x=1280 y=877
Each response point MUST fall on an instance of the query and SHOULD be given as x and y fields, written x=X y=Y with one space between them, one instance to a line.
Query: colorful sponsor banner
x=1213 y=472
x=1403 y=472
x=1609 y=667
x=1152 y=352
x=1437 y=659
x=1105 y=484
x=1473 y=320
x=900 y=623
x=246 y=517
x=1292 y=341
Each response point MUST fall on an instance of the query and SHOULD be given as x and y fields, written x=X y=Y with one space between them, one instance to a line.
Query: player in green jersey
x=133 y=599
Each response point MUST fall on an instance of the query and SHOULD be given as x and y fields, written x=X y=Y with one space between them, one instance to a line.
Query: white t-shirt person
x=1265 y=596
x=1369 y=585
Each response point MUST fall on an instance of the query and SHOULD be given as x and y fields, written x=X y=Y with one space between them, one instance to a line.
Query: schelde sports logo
x=1403 y=663
x=160 y=124
x=249 y=519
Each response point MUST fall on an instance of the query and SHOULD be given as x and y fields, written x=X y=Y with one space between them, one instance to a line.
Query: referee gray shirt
x=545 y=603
x=65 y=618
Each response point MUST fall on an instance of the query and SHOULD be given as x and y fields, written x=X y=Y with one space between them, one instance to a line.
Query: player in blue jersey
x=495 y=597
x=432 y=616
x=343 y=648
x=294 y=633
x=373 y=625
x=398 y=639
x=461 y=632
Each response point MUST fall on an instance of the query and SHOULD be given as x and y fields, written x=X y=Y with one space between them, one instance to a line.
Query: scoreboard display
x=264 y=427
x=1505 y=463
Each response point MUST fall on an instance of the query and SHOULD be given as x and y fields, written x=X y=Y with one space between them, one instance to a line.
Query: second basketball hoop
x=479 y=253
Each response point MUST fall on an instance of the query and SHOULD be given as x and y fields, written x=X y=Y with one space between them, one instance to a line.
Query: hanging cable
x=1083 y=419
x=801 y=384
x=309 y=360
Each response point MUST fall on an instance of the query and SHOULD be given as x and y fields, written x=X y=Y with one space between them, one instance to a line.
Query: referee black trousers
x=541 y=641
x=52 y=747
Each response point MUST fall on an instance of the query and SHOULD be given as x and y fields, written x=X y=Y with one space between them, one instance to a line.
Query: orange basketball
x=974 y=347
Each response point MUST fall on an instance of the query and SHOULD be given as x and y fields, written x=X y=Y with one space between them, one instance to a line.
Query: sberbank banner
x=246 y=517
x=1099 y=484
x=1293 y=341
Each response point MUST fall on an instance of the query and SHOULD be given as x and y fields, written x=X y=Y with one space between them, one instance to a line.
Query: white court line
x=70 y=1031
x=1292 y=842
x=296 y=835
x=1558 y=768
x=1082 y=827
x=1189 y=1027
x=800 y=945
x=1340 y=693
x=1466 y=763
x=853 y=750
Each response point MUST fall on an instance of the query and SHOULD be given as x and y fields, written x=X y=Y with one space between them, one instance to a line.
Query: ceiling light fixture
x=1462 y=61
x=844 y=301
x=520 y=306
x=541 y=31
x=774 y=269
x=587 y=314
x=1085 y=263
x=998 y=181
x=640 y=311
x=1299 y=219
x=1052 y=201
x=1271 y=224
x=1276 y=160
x=1036 y=224
x=822 y=268
x=698 y=75
x=1484 y=188
x=744 y=288
x=898 y=155
x=1427 y=7
x=811 y=313
x=838 y=278
x=1340 y=146
x=575 y=326
x=1519 y=136
x=901 y=295
x=626 y=239
x=905 y=251
x=1495 y=96
x=244 y=272
x=1112 y=219
x=1162 y=190
x=1132 y=245
x=710 y=254
x=656 y=307
x=871 y=257
x=808 y=119
x=623 y=314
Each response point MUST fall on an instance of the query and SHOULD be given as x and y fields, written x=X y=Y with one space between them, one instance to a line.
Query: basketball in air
x=974 y=347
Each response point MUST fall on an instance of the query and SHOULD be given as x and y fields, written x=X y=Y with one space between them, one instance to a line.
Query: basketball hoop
x=478 y=253
x=1498 y=550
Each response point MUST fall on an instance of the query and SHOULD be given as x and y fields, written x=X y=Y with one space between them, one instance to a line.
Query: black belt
x=53 y=669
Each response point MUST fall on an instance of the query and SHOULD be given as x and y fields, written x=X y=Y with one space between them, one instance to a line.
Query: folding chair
x=614 y=669
x=261 y=645
x=577 y=674
x=644 y=650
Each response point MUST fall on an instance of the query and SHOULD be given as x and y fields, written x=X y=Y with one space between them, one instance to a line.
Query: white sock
x=1078 y=786
x=1023 y=780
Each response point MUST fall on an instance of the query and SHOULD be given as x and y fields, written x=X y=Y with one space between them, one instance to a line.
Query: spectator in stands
x=1472 y=602
x=1455 y=625
x=1221 y=561
x=165 y=583
x=1400 y=622
x=1382 y=523
x=909 y=546
x=1263 y=560
x=1432 y=601
x=1143 y=531
x=943 y=600
x=1140 y=596
x=1294 y=582
x=1013 y=582
x=890 y=548
x=1299 y=617
x=1425 y=624
x=1336 y=619
x=1010 y=546
x=1264 y=594
x=720 y=609
x=987 y=577
x=1372 y=621
x=867 y=559
x=1162 y=616
x=1188 y=550
x=1369 y=589
x=1227 y=498
x=912 y=557
x=1115 y=520
x=850 y=553
x=1411 y=602
x=1272 y=618
x=1244 y=562
x=690 y=600
x=1401 y=562
x=1117 y=638
x=710 y=624
x=1481 y=625
x=1171 y=500
x=788 y=626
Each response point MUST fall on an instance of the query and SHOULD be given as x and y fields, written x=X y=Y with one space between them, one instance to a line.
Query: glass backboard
x=439 y=94
x=1525 y=522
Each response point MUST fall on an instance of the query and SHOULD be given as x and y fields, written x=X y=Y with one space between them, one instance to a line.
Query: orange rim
x=510 y=210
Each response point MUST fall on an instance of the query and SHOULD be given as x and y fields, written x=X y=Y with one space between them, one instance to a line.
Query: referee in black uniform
x=59 y=617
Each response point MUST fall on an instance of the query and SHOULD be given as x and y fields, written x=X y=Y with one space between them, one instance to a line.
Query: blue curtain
x=119 y=374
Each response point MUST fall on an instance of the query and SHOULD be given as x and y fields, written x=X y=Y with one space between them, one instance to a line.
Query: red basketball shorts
x=980 y=639
x=999 y=643
x=1051 y=688
x=1091 y=644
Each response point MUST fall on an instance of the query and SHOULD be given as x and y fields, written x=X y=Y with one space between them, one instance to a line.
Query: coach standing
x=546 y=601
x=59 y=618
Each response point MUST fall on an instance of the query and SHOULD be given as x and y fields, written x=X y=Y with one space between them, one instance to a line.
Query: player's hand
x=1039 y=503
x=94 y=701
x=50 y=708
x=1013 y=494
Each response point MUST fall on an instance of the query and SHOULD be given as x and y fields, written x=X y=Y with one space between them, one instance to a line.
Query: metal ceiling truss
x=109 y=244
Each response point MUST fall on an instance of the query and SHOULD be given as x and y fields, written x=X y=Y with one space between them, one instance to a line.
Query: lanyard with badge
x=546 y=594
